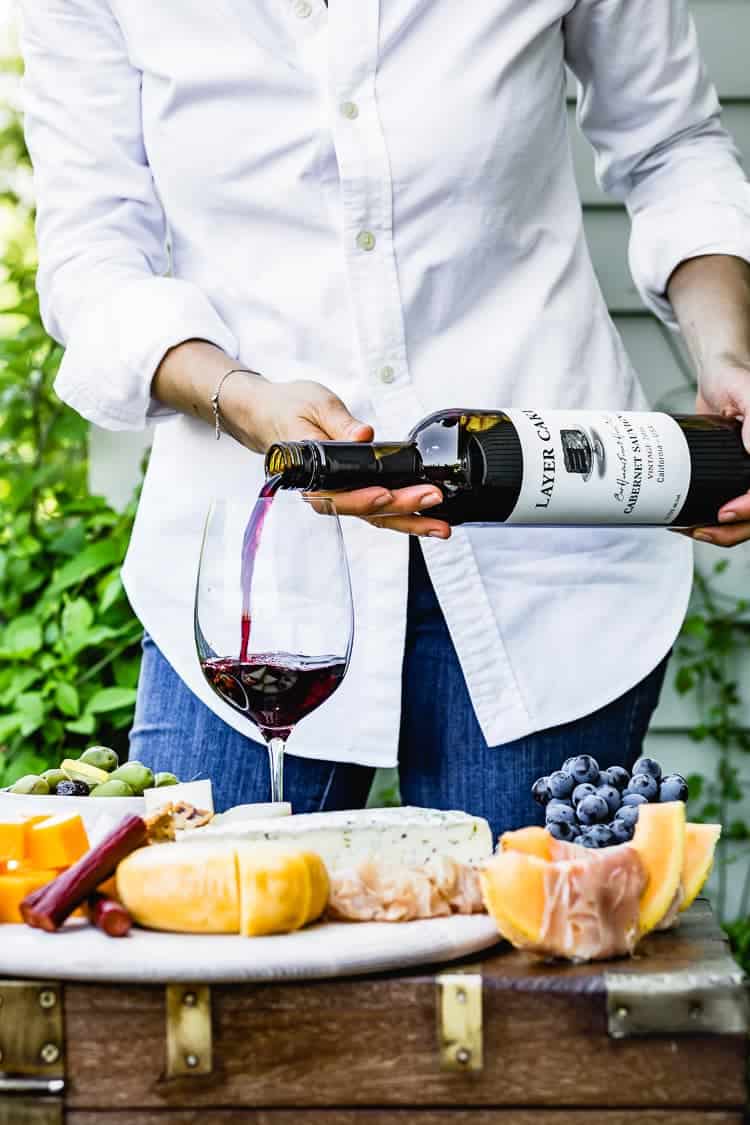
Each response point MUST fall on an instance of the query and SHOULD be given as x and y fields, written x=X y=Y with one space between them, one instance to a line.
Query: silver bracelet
x=217 y=392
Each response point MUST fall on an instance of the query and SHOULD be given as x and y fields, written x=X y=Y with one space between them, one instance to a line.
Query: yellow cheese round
x=221 y=887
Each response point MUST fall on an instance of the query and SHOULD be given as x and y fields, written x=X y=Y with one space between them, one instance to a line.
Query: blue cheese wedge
x=408 y=836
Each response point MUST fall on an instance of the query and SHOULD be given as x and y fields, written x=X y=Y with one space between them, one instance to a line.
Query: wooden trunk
x=658 y=1040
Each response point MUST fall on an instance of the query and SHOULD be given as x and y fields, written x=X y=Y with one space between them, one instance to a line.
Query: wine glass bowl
x=273 y=612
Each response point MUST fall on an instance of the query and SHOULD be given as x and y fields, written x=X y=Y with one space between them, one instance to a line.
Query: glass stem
x=276 y=763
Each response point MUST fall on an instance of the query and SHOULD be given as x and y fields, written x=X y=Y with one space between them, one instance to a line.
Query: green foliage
x=69 y=644
x=713 y=639
x=739 y=937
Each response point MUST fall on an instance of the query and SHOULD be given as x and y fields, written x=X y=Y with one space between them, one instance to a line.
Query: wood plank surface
x=406 y=1117
x=372 y=1042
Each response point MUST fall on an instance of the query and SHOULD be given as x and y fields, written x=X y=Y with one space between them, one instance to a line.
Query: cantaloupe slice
x=513 y=887
x=700 y=845
x=659 y=840
x=531 y=841
x=534 y=899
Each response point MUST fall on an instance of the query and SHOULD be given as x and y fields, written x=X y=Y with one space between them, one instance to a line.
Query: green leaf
x=20 y=681
x=111 y=699
x=30 y=705
x=77 y=616
x=112 y=591
x=684 y=680
x=695 y=786
x=9 y=724
x=66 y=698
x=85 y=725
x=21 y=638
x=91 y=560
x=721 y=566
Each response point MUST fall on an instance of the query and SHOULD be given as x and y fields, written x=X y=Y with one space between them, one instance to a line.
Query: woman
x=373 y=207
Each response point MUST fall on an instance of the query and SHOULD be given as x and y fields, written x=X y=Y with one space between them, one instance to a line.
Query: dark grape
x=584 y=769
x=562 y=831
x=673 y=788
x=648 y=766
x=557 y=801
x=593 y=810
x=540 y=790
x=617 y=776
x=560 y=784
x=628 y=814
x=561 y=814
x=602 y=836
x=645 y=784
x=633 y=799
x=72 y=789
x=581 y=791
x=611 y=796
x=621 y=830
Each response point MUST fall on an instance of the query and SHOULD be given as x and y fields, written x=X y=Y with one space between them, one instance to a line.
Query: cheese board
x=82 y=953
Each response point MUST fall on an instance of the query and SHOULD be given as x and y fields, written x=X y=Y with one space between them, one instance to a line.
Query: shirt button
x=366 y=240
x=302 y=9
x=387 y=374
x=349 y=110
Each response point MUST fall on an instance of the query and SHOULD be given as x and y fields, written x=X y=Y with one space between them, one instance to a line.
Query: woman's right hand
x=258 y=413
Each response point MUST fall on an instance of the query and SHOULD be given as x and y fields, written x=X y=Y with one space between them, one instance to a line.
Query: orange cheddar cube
x=12 y=841
x=58 y=841
x=15 y=886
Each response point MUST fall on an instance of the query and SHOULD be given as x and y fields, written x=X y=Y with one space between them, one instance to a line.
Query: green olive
x=53 y=778
x=115 y=787
x=30 y=784
x=136 y=775
x=162 y=779
x=101 y=757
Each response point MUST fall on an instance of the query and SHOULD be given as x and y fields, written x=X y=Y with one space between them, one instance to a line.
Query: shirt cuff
x=116 y=345
x=662 y=237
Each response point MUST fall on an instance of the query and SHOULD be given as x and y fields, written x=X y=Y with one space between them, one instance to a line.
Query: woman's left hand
x=726 y=390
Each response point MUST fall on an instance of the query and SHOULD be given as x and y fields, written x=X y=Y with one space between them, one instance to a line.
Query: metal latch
x=459 y=1014
x=677 y=1003
x=32 y=1043
x=189 y=1040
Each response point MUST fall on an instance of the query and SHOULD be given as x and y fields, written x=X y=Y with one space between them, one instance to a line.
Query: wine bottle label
x=600 y=467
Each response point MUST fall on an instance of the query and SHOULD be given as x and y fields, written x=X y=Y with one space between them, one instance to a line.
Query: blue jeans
x=444 y=761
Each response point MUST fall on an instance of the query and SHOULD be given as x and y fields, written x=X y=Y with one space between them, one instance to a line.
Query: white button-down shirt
x=380 y=197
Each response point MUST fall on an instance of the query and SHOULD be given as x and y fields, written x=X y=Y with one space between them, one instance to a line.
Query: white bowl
x=99 y=814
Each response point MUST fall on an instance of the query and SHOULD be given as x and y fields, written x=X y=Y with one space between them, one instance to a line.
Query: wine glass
x=274 y=621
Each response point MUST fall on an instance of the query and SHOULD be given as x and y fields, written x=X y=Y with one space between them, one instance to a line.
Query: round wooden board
x=80 y=952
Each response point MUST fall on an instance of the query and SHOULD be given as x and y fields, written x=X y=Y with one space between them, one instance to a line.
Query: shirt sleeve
x=101 y=230
x=648 y=108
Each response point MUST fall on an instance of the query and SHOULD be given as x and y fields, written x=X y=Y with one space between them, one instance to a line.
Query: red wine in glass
x=273 y=612
x=276 y=690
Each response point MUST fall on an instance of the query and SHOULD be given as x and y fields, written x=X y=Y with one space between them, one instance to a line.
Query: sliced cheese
x=281 y=889
x=408 y=836
x=187 y=889
x=57 y=841
x=223 y=888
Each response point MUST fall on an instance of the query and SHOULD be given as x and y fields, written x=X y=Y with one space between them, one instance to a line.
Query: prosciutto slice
x=376 y=892
x=591 y=904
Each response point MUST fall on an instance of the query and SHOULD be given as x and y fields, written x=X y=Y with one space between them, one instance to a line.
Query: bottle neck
x=320 y=466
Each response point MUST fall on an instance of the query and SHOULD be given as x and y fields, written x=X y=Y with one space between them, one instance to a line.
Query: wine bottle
x=553 y=467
